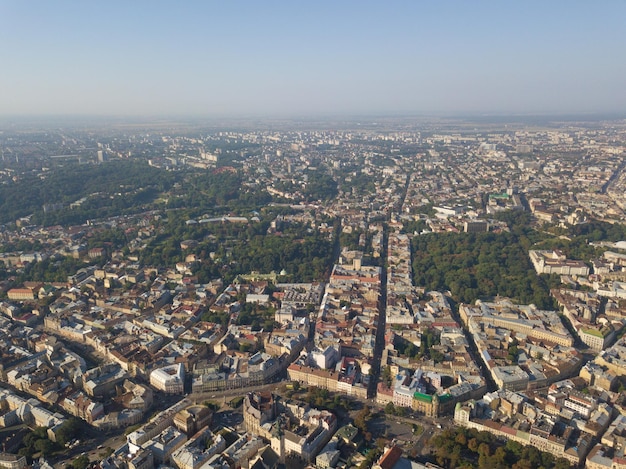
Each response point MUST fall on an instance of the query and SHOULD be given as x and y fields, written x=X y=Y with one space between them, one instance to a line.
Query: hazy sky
x=136 y=57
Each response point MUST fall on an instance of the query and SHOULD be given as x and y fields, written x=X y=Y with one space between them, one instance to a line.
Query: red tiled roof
x=390 y=458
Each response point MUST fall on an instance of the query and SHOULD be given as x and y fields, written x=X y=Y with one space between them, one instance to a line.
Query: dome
x=620 y=245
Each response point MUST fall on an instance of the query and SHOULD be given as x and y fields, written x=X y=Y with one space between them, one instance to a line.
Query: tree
x=390 y=409
x=532 y=454
x=68 y=430
x=361 y=419
x=386 y=376
x=472 y=445
x=499 y=457
x=514 y=447
x=459 y=447
x=437 y=356
x=547 y=459
x=562 y=463
x=523 y=464
x=481 y=265
x=81 y=462
x=483 y=449
x=29 y=440
x=455 y=456
x=46 y=447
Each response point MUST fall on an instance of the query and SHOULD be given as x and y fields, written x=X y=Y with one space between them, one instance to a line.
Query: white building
x=554 y=262
x=12 y=461
x=405 y=386
x=170 y=379
x=325 y=359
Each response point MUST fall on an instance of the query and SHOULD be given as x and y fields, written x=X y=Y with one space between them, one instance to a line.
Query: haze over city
x=312 y=235
x=282 y=58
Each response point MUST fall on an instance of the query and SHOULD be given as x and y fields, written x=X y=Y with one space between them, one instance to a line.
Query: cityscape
x=201 y=298
x=312 y=235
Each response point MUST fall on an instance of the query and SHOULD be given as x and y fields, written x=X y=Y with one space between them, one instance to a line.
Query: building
x=405 y=385
x=511 y=378
x=325 y=379
x=192 y=419
x=165 y=443
x=258 y=409
x=20 y=294
x=144 y=459
x=476 y=226
x=325 y=359
x=79 y=405
x=431 y=405
x=265 y=459
x=555 y=262
x=155 y=426
x=597 y=376
x=304 y=433
x=597 y=338
x=329 y=456
x=200 y=448
x=170 y=379
x=134 y=396
x=543 y=431
x=12 y=461
x=123 y=419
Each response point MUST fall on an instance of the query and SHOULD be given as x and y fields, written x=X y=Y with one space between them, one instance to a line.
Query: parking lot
x=228 y=419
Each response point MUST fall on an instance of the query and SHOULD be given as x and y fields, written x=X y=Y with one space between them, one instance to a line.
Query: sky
x=299 y=58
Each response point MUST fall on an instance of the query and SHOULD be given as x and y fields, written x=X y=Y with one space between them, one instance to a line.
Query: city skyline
x=277 y=59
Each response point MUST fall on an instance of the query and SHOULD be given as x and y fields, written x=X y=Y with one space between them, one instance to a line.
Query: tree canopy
x=109 y=189
x=463 y=447
x=481 y=265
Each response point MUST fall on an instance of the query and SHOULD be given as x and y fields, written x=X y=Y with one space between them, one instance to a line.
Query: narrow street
x=382 y=315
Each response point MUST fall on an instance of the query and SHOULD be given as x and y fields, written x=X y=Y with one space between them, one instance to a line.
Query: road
x=217 y=396
x=613 y=177
x=94 y=444
x=89 y=447
x=382 y=319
